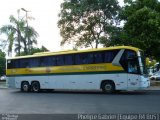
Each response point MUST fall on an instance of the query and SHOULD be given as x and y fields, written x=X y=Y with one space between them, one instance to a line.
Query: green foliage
x=19 y=35
x=150 y=63
x=35 y=50
x=142 y=25
x=87 y=22
x=2 y=63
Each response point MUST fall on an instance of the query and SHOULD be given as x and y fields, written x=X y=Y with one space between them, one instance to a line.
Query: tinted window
x=60 y=60
x=128 y=54
x=47 y=61
x=133 y=66
x=53 y=61
x=69 y=60
x=9 y=64
x=131 y=54
x=27 y=63
x=123 y=60
x=24 y=63
x=13 y=64
x=42 y=61
x=84 y=58
x=98 y=57
x=109 y=56
x=129 y=61
x=33 y=62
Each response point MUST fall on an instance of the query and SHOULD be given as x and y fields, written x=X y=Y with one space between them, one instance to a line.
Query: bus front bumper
x=144 y=83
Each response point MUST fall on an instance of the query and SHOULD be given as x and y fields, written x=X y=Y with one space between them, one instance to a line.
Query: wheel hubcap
x=108 y=87
x=25 y=87
x=35 y=88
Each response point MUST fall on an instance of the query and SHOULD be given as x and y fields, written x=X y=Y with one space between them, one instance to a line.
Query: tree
x=87 y=22
x=10 y=31
x=150 y=63
x=2 y=63
x=17 y=33
x=35 y=50
x=142 y=25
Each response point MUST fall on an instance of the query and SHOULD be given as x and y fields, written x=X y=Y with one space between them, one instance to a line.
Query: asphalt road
x=68 y=102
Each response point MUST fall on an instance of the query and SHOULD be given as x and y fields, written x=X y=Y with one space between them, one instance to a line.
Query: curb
x=155 y=83
x=3 y=85
x=154 y=88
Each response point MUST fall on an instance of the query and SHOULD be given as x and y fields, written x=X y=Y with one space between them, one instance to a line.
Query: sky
x=45 y=13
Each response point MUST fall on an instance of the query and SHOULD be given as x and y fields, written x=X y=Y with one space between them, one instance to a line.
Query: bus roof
x=74 y=51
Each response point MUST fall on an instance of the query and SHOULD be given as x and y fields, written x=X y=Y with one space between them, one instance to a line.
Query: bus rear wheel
x=108 y=87
x=35 y=86
x=25 y=87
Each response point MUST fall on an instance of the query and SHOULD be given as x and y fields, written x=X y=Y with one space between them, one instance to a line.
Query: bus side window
x=54 y=62
x=84 y=58
x=41 y=62
x=109 y=56
x=90 y=59
x=98 y=57
x=9 y=64
x=33 y=62
x=77 y=59
x=13 y=64
x=69 y=60
x=45 y=61
x=49 y=61
x=24 y=63
x=60 y=60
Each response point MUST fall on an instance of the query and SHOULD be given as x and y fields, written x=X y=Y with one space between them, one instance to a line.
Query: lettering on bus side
x=94 y=68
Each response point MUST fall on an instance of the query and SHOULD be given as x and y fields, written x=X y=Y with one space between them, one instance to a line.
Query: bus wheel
x=35 y=86
x=25 y=87
x=108 y=87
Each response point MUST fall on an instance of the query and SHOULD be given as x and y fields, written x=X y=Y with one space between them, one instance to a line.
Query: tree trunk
x=25 y=46
x=97 y=43
x=19 y=44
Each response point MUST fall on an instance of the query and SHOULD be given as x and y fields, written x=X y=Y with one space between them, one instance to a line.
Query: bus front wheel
x=35 y=86
x=108 y=87
x=25 y=87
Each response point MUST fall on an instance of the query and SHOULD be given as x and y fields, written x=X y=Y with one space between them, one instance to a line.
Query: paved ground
x=61 y=104
x=14 y=101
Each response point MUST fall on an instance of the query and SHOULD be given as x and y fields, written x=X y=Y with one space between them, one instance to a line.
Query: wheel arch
x=24 y=81
x=107 y=80
x=35 y=81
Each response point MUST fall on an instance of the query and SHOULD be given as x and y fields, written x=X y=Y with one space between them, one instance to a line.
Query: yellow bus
x=107 y=69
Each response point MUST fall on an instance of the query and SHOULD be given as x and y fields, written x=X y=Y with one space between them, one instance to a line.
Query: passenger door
x=133 y=81
x=133 y=74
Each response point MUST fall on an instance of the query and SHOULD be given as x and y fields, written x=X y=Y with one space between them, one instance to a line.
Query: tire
x=25 y=87
x=108 y=87
x=35 y=86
